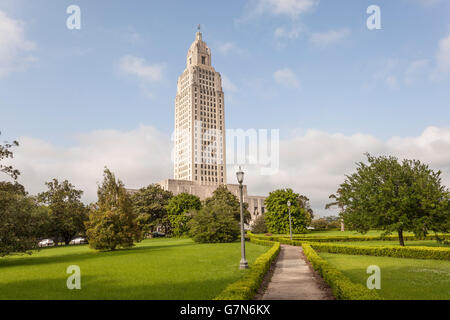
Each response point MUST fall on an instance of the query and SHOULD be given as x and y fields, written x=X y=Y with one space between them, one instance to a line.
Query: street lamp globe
x=289 y=203
x=240 y=175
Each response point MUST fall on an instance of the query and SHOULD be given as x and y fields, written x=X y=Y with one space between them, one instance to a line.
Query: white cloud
x=294 y=32
x=138 y=157
x=416 y=70
x=138 y=67
x=443 y=55
x=228 y=86
x=290 y=8
x=230 y=48
x=15 y=48
x=313 y=164
x=287 y=78
x=323 y=39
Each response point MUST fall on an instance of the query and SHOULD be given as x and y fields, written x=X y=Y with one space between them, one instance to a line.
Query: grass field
x=154 y=269
x=401 y=278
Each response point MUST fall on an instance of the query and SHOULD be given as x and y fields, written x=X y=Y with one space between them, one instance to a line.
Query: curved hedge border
x=343 y=288
x=386 y=251
x=246 y=288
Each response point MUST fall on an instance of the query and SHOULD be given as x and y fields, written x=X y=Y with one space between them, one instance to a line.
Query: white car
x=46 y=243
x=78 y=240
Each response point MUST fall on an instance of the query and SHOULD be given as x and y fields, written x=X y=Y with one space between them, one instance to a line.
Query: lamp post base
x=243 y=264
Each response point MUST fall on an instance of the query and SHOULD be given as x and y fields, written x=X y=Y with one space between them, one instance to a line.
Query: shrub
x=386 y=251
x=213 y=224
x=259 y=225
x=246 y=288
x=343 y=288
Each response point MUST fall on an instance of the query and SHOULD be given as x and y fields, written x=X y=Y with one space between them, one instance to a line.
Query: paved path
x=292 y=279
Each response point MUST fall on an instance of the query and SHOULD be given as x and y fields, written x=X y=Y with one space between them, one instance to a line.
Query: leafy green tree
x=5 y=153
x=259 y=225
x=150 y=205
x=112 y=221
x=179 y=210
x=326 y=223
x=17 y=223
x=395 y=197
x=214 y=223
x=15 y=188
x=67 y=212
x=223 y=197
x=277 y=215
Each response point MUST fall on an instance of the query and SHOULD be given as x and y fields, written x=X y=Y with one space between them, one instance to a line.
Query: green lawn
x=154 y=269
x=409 y=279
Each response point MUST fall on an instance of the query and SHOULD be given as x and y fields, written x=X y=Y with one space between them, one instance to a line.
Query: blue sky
x=76 y=84
x=293 y=65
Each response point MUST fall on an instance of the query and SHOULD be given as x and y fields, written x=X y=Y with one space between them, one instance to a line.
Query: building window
x=203 y=60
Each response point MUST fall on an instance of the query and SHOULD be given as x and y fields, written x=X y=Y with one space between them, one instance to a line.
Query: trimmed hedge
x=246 y=288
x=348 y=238
x=386 y=251
x=343 y=288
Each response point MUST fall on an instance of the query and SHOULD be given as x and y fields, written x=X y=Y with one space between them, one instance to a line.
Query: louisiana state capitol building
x=199 y=135
x=199 y=154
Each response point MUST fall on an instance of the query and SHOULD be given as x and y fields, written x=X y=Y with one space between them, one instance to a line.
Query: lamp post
x=240 y=178
x=290 y=225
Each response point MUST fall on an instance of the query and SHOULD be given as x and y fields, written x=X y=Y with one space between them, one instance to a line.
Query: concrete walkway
x=292 y=279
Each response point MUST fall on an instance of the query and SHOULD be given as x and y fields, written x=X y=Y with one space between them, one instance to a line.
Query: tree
x=150 y=205
x=112 y=221
x=214 y=223
x=259 y=225
x=5 y=153
x=223 y=197
x=17 y=223
x=338 y=203
x=180 y=210
x=277 y=215
x=67 y=213
x=326 y=223
x=395 y=197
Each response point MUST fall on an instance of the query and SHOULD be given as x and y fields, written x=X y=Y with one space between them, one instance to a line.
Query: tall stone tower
x=200 y=120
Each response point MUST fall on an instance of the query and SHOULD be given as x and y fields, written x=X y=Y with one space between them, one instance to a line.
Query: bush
x=343 y=288
x=259 y=225
x=213 y=224
x=386 y=251
x=246 y=288
x=351 y=238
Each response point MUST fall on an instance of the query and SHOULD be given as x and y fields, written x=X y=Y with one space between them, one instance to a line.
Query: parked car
x=46 y=243
x=78 y=240
x=158 y=234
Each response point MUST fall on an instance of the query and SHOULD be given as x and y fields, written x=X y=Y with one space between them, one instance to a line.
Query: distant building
x=199 y=157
